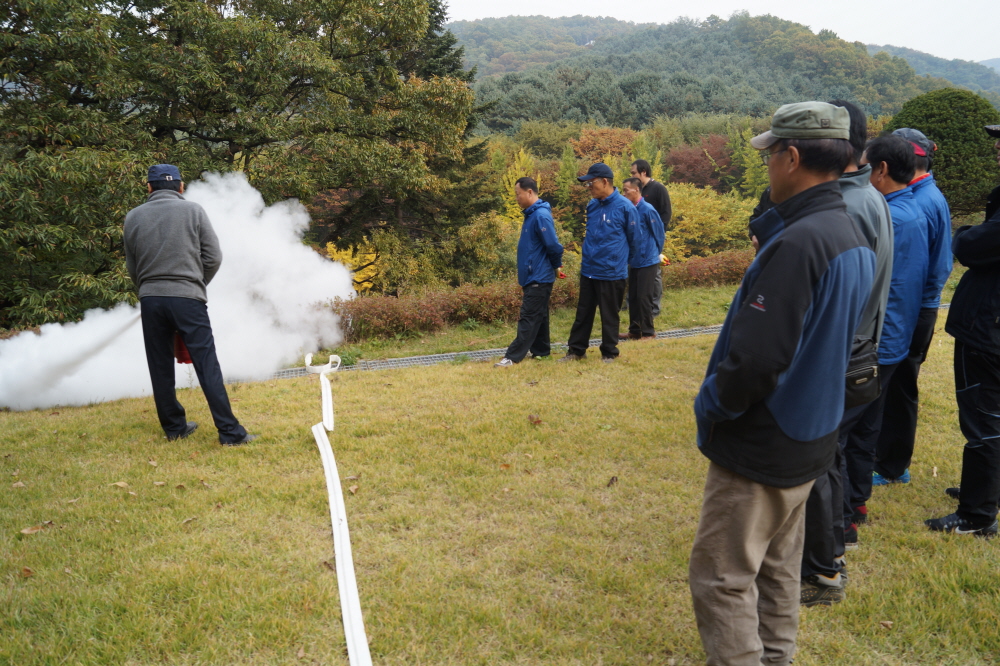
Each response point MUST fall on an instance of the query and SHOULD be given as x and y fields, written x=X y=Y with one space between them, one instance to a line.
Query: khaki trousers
x=745 y=569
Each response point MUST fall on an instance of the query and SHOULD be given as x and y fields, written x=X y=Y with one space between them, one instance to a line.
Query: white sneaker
x=505 y=363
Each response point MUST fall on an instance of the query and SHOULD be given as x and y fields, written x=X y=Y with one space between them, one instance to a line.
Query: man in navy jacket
x=610 y=242
x=973 y=322
x=539 y=256
x=644 y=267
x=770 y=406
x=899 y=420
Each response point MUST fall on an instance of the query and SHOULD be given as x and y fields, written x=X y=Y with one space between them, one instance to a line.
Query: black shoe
x=955 y=524
x=953 y=493
x=570 y=357
x=851 y=537
x=819 y=590
x=188 y=429
x=860 y=516
x=247 y=438
x=608 y=359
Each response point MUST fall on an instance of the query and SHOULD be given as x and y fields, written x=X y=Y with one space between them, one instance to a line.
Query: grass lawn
x=479 y=538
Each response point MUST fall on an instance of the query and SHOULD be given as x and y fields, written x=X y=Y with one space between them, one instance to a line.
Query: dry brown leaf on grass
x=27 y=572
x=34 y=529
x=534 y=383
x=73 y=501
x=353 y=489
x=152 y=462
x=505 y=466
x=133 y=494
x=193 y=455
x=67 y=570
x=18 y=484
x=613 y=481
x=202 y=482
x=159 y=483
x=528 y=455
x=886 y=623
x=329 y=566
x=534 y=419
x=301 y=653
x=180 y=486
x=187 y=520
x=120 y=484
x=353 y=477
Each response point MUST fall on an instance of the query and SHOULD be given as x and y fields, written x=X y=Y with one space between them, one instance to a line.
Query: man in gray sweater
x=172 y=253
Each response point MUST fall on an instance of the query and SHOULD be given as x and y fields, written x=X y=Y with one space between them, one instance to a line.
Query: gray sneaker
x=821 y=591
x=570 y=357
x=504 y=363
x=608 y=359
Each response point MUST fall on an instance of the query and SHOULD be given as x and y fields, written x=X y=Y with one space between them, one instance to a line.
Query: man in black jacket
x=973 y=321
x=656 y=195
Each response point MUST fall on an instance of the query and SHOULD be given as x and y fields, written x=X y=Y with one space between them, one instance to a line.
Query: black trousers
x=977 y=390
x=641 y=298
x=657 y=291
x=162 y=316
x=594 y=294
x=828 y=512
x=899 y=418
x=859 y=445
x=532 y=324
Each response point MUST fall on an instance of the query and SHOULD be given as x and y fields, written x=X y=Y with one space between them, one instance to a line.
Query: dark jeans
x=533 y=324
x=657 y=291
x=824 y=540
x=161 y=317
x=641 y=294
x=899 y=418
x=859 y=447
x=594 y=294
x=977 y=389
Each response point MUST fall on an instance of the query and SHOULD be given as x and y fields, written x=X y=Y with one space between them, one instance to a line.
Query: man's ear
x=149 y=188
x=182 y=188
x=794 y=158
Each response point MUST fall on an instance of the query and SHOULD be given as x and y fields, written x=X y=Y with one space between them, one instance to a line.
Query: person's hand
x=663 y=260
x=560 y=274
x=756 y=243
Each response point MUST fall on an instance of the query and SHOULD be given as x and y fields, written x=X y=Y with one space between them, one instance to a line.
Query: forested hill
x=746 y=65
x=500 y=45
x=994 y=64
x=972 y=75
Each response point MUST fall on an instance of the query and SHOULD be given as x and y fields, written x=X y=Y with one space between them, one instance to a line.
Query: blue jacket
x=539 y=253
x=939 y=265
x=773 y=396
x=909 y=275
x=650 y=228
x=611 y=238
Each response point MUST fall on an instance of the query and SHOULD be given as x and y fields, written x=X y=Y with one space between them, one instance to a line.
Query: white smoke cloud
x=265 y=303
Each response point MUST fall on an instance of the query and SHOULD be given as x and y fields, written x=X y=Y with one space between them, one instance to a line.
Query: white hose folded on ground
x=350 y=601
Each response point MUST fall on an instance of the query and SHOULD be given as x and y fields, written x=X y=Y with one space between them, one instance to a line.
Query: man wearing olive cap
x=172 y=253
x=974 y=322
x=769 y=409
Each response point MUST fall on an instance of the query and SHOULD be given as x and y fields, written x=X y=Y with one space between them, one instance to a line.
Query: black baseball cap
x=993 y=130
x=163 y=172
x=597 y=170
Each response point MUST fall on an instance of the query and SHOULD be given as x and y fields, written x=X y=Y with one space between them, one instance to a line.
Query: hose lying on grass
x=350 y=602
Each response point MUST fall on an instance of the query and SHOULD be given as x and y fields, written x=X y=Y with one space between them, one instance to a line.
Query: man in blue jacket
x=610 y=242
x=899 y=421
x=644 y=267
x=769 y=409
x=539 y=256
x=893 y=165
x=972 y=321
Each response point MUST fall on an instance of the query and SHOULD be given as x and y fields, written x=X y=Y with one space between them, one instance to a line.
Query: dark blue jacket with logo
x=611 y=239
x=935 y=208
x=650 y=228
x=909 y=276
x=773 y=396
x=539 y=253
x=974 y=315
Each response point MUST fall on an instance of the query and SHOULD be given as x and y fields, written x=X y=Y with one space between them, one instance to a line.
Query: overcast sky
x=965 y=29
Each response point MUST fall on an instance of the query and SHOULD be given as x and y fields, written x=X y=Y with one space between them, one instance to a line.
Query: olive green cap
x=805 y=120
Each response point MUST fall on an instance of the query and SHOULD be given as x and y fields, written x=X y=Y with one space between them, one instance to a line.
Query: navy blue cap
x=163 y=172
x=922 y=146
x=993 y=130
x=598 y=170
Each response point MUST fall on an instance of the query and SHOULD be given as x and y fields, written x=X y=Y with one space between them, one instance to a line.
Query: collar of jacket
x=535 y=206
x=163 y=194
x=905 y=193
x=860 y=178
x=825 y=196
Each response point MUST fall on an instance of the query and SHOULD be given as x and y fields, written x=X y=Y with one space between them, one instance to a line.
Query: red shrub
x=722 y=268
x=709 y=164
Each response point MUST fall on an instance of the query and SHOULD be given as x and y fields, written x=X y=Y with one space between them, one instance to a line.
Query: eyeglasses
x=590 y=183
x=765 y=156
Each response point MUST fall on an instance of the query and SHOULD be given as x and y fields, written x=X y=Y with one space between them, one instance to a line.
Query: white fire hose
x=350 y=602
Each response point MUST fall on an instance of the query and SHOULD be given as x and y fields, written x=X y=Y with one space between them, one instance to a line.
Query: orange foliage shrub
x=596 y=142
